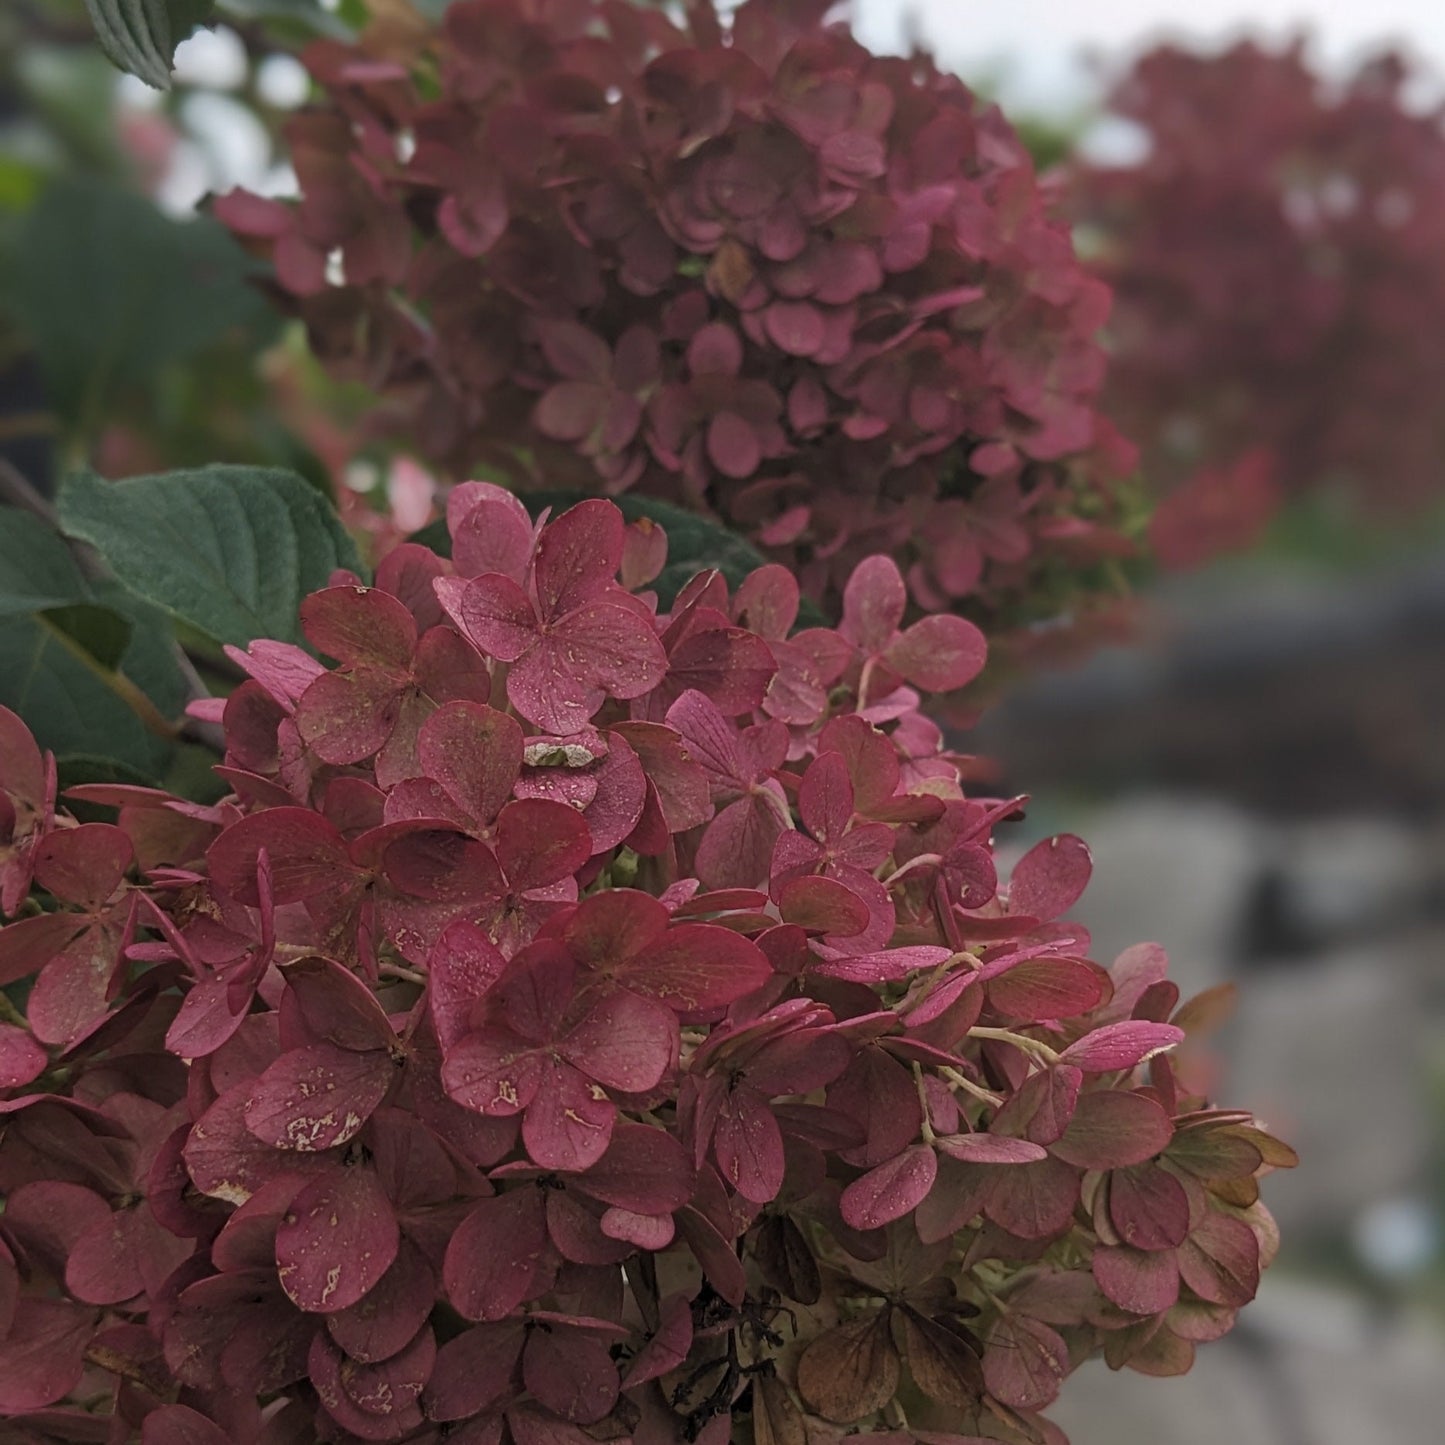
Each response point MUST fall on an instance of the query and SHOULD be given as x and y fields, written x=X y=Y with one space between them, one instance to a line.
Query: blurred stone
x=1296 y=693
x=1172 y=871
x=1312 y=1366
x=1333 y=1053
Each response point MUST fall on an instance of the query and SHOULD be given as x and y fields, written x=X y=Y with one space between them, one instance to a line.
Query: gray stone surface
x=1334 y=1053
x=1317 y=1368
x=1171 y=871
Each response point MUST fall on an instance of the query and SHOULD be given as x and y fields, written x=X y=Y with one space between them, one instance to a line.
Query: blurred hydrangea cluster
x=1277 y=254
x=740 y=264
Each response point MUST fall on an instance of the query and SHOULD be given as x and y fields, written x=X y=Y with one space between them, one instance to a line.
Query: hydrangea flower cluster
x=1278 y=260
x=746 y=266
x=583 y=1024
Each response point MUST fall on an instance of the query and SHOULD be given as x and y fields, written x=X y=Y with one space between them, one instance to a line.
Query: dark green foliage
x=109 y=291
x=140 y=36
x=228 y=551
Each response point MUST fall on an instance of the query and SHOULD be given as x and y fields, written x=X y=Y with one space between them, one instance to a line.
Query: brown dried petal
x=851 y=1371
x=942 y=1364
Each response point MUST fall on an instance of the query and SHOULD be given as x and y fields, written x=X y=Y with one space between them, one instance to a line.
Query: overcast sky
x=1037 y=44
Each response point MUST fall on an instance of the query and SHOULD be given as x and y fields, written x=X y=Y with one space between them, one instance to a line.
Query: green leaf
x=694 y=543
x=229 y=551
x=149 y=659
x=36 y=569
x=71 y=702
x=99 y=632
x=90 y=668
x=77 y=768
x=140 y=36
x=109 y=291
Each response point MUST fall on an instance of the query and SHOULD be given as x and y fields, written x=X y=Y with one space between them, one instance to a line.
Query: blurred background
x=1256 y=755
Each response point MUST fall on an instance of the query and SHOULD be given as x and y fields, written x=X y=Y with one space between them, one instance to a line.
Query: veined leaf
x=90 y=668
x=72 y=702
x=140 y=36
x=229 y=551
x=36 y=569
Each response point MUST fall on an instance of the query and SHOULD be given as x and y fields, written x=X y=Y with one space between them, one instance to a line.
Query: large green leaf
x=36 y=568
x=229 y=551
x=694 y=543
x=89 y=668
x=141 y=36
x=108 y=291
x=70 y=701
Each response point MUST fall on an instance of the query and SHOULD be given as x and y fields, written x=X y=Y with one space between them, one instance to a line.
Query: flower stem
x=1019 y=1041
x=928 y=1135
x=962 y=1081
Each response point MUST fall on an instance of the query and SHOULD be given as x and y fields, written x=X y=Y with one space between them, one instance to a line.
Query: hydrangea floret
x=1275 y=251
x=578 y=1023
x=740 y=263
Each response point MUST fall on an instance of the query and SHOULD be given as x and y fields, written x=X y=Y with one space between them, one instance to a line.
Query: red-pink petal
x=749 y=1146
x=890 y=1190
x=625 y=1042
x=1050 y=877
x=474 y=752
x=697 y=966
x=84 y=865
x=337 y=1240
x=566 y=1125
x=571 y=1374
x=733 y=446
x=644 y=1169
x=491 y=612
x=1025 y=1362
x=473 y=1371
x=317 y=1097
x=381 y=1323
x=344 y=717
x=44 y=1354
x=540 y=843
x=496 y=1254
x=578 y=556
x=1114 y=1128
x=873 y=603
x=990 y=1149
x=360 y=624
x=461 y=969
x=1148 y=1207
x=1121 y=1046
x=21 y=1058
x=938 y=653
x=1142 y=1282
x=307 y=856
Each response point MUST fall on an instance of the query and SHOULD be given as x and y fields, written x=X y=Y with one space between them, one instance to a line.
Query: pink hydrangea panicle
x=525 y=1056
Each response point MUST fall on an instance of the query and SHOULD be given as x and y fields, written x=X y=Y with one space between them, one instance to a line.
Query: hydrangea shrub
x=583 y=1024
x=1277 y=255
x=743 y=265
